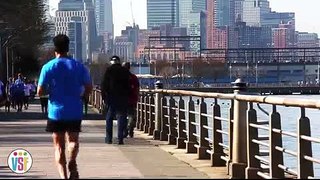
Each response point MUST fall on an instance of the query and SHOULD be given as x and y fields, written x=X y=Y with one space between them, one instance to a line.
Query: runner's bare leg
x=60 y=157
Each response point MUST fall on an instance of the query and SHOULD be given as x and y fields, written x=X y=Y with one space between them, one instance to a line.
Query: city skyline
x=305 y=13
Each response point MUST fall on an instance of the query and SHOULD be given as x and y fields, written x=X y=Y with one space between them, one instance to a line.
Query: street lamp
x=256 y=73
x=230 y=74
x=318 y=74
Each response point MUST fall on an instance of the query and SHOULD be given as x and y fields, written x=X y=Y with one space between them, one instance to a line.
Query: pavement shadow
x=18 y=116
x=6 y=173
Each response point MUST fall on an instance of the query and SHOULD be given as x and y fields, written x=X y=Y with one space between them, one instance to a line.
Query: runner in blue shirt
x=62 y=79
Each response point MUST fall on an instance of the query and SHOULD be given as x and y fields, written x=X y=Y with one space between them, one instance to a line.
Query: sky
x=306 y=11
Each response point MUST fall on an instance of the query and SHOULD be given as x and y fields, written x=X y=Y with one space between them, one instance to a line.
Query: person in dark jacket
x=115 y=90
x=133 y=100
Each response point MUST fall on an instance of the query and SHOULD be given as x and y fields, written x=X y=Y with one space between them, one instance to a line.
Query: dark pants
x=131 y=119
x=118 y=110
x=19 y=100
x=44 y=104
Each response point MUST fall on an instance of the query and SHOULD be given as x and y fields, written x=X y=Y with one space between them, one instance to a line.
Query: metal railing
x=228 y=130
x=95 y=99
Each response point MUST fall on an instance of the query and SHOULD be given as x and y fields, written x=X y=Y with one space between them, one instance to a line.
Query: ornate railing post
x=230 y=137
x=253 y=148
x=203 y=121
x=164 y=121
x=275 y=139
x=181 y=124
x=158 y=110
x=217 y=137
x=172 y=136
x=146 y=114
x=151 y=115
x=142 y=119
x=138 y=114
x=305 y=167
x=239 y=151
x=192 y=140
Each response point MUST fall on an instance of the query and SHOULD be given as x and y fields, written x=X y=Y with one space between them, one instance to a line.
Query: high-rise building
x=104 y=16
x=192 y=16
x=253 y=11
x=221 y=18
x=124 y=48
x=196 y=27
x=75 y=36
x=306 y=40
x=210 y=23
x=253 y=36
x=162 y=12
x=84 y=11
x=187 y=7
x=273 y=19
x=133 y=35
x=284 y=36
x=225 y=12
x=238 y=10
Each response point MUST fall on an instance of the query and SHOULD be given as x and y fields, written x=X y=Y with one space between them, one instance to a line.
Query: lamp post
x=256 y=73
x=318 y=74
x=230 y=72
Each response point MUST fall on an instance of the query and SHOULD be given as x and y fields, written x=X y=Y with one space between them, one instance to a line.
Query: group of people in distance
x=68 y=84
x=17 y=93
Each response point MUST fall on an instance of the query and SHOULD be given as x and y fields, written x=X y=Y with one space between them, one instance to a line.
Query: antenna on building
x=133 y=21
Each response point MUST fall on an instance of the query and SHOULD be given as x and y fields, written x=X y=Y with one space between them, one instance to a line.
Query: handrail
x=307 y=103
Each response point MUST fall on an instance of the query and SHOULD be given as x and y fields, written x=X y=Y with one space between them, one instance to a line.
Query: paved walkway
x=140 y=157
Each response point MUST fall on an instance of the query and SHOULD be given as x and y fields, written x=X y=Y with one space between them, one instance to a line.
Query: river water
x=289 y=117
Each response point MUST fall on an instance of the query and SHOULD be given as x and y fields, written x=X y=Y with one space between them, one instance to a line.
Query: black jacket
x=116 y=82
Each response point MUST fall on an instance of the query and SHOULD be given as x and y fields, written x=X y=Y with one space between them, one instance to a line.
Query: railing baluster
x=192 y=140
x=230 y=137
x=276 y=157
x=164 y=121
x=95 y=99
x=158 y=116
x=305 y=167
x=181 y=125
x=172 y=136
x=203 y=121
x=217 y=137
x=142 y=119
x=151 y=114
x=138 y=115
x=253 y=148
x=146 y=112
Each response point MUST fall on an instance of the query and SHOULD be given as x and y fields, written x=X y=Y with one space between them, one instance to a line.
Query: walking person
x=132 y=102
x=27 y=93
x=44 y=103
x=115 y=92
x=2 y=93
x=18 y=94
x=62 y=79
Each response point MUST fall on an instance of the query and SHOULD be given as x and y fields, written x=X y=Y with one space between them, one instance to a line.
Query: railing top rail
x=306 y=103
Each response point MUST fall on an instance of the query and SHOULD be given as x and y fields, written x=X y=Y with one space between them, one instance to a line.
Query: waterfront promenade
x=140 y=157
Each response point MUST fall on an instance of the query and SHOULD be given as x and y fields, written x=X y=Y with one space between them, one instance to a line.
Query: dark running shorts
x=63 y=126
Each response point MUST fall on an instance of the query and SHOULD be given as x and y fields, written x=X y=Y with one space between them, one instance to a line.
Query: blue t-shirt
x=64 y=79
